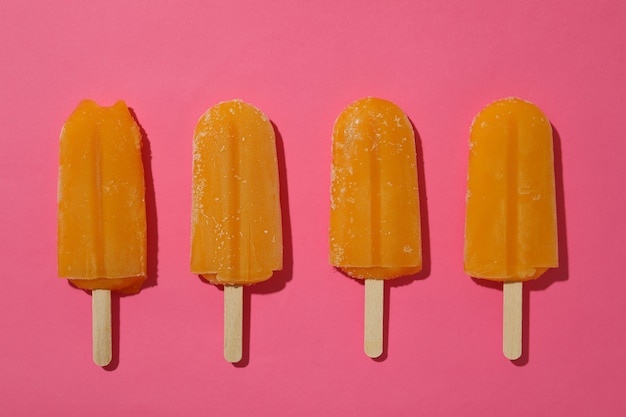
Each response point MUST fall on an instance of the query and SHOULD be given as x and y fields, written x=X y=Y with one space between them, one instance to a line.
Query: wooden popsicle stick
x=233 y=326
x=512 y=320
x=101 y=326
x=374 y=301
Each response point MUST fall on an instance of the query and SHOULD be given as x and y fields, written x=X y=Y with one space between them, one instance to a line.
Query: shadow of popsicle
x=152 y=231
x=552 y=275
x=115 y=333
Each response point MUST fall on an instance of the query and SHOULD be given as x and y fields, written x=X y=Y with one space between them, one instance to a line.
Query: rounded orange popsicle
x=375 y=231
x=375 y=217
x=236 y=236
x=510 y=226
x=236 y=227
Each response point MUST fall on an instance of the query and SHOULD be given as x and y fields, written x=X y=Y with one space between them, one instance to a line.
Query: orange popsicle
x=510 y=227
x=101 y=208
x=375 y=218
x=236 y=228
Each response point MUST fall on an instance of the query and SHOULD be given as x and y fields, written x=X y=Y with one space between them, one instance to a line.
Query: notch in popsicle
x=375 y=231
x=511 y=224
x=236 y=229
x=101 y=210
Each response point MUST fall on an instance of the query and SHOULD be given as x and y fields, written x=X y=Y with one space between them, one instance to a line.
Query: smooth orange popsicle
x=236 y=218
x=511 y=226
x=101 y=206
x=375 y=217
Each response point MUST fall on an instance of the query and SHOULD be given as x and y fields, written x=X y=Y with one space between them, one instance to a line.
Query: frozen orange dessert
x=101 y=205
x=375 y=215
x=511 y=223
x=236 y=226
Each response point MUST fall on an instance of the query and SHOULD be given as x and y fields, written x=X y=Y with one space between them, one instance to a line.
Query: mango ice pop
x=101 y=208
x=511 y=226
x=236 y=226
x=375 y=217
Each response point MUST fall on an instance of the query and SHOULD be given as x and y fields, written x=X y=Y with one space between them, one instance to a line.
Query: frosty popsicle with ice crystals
x=236 y=227
x=375 y=231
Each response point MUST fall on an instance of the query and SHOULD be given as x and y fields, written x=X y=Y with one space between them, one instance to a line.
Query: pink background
x=302 y=63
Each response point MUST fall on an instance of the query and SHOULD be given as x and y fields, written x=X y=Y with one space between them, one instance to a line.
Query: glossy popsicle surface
x=510 y=228
x=101 y=207
x=236 y=218
x=375 y=218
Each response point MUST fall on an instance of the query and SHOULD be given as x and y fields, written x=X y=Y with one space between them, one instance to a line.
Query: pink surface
x=302 y=64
